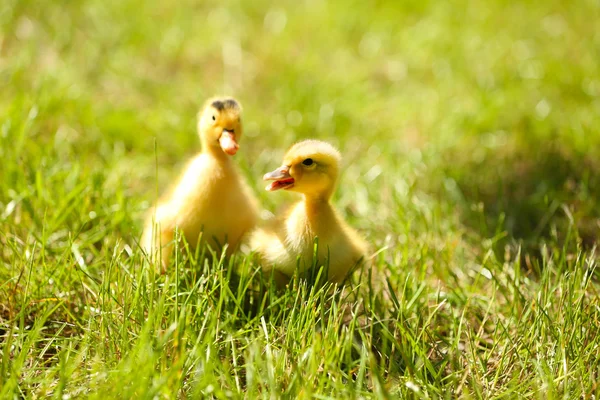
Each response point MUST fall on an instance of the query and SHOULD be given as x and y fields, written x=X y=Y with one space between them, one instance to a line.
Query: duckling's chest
x=212 y=198
x=304 y=230
x=320 y=233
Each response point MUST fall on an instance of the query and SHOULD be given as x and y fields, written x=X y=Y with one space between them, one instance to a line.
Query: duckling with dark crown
x=210 y=197
x=311 y=168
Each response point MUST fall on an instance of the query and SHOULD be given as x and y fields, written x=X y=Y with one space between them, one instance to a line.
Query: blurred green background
x=491 y=107
x=466 y=128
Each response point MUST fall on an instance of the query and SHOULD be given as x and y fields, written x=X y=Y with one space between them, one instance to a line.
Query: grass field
x=471 y=140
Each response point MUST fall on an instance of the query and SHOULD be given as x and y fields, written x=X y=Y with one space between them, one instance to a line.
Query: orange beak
x=228 y=143
x=281 y=179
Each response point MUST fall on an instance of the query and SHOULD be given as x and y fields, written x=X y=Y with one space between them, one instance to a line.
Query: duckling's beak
x=228 y=143
x=282 y=178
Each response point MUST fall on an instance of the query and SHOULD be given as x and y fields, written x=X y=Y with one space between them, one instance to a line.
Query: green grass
x=470 y=134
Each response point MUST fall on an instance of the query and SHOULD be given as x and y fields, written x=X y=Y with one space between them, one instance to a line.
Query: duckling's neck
x=215 y=152
x=318 y=211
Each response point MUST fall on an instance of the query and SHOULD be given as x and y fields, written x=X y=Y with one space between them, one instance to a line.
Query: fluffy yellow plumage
x=310 y=168
x=210 y=197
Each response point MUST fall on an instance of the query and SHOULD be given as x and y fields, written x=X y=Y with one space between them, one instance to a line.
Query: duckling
x=311 y=168
x=210 y=198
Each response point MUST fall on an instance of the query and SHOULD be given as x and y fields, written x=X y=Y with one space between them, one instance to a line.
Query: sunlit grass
x=470 y=139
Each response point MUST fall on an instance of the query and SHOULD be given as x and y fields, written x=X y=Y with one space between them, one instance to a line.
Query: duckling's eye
x=213 y=117
x=308 y=162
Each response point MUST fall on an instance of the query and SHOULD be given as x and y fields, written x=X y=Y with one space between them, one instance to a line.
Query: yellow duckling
x=310 y=168
x=210 y=198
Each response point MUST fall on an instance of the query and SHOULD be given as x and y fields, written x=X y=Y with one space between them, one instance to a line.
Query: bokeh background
x=466 y=127
x=486 y=105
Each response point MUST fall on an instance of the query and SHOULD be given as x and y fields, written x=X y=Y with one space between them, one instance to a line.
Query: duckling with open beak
x=310 y=168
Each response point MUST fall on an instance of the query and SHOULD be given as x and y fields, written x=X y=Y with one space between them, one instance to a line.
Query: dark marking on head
x=218 y=104
x=229 y=104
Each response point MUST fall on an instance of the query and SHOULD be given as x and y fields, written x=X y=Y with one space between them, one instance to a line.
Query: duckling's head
x=309 y=167
x=220 y=125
